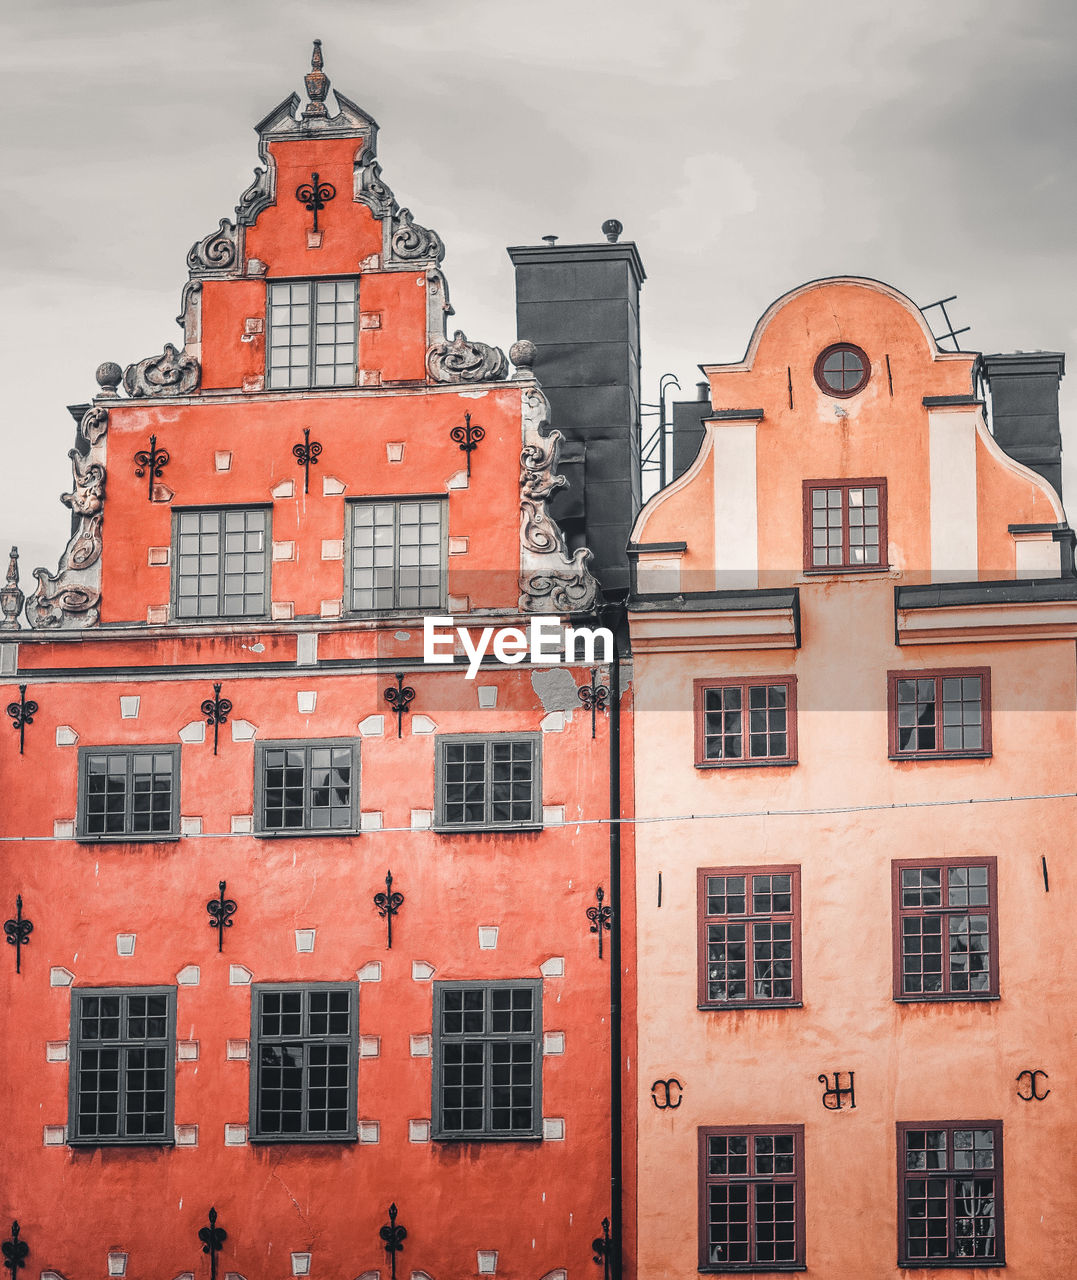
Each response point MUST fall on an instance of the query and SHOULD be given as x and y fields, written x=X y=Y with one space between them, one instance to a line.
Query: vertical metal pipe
x=616 y=1143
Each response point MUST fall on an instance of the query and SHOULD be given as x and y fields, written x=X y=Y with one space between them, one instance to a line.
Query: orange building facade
x=853 y=628
x=307 y=983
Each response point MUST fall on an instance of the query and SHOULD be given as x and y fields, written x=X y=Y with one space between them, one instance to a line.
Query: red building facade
x=224 y=1002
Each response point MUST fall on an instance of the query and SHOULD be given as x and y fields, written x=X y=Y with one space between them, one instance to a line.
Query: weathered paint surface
x=538 y=1203
x=844 y=812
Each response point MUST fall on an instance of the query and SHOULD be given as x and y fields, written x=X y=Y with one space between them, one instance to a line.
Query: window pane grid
x=938 y=714
x=845 y=526
x=312 y=334
x=946 y=914
x=128 y=793
x=221 y=563
x=752 y=1191
x=487 y=1083
x=307 y=787
x=396 y=554
x=488 y=782
x=747 y=722
x=122 y=1088
x=951 y=1202
x=305 y=1050
x=749 y=936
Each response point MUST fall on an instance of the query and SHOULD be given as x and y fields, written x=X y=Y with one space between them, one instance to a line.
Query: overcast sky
x=746 y=145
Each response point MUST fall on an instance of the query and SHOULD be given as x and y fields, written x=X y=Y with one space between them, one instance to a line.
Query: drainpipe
x=614 y=617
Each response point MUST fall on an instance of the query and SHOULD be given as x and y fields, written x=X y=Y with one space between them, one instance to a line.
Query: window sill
x=919 y=757
x=486 y=1137
x=750 y=1004
x=91 y=1144
x=947 y=999
x=982 y=1264
x=301 y=1139
x=751 y=1268
x=746 y=764
x=848 y=570
x=171 y=838
x=302 y=833
x=519 y=829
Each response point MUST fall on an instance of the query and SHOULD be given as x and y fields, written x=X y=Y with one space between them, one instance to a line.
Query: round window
x=842 y=370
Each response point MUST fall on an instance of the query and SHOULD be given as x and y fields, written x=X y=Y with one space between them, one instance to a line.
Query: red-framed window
x=842 y=369
x=751 y=1198
x=746 y=721
x=945 y=929
x=939 y=714
x=749 y=937
x=950 y=1194
x=845 y=525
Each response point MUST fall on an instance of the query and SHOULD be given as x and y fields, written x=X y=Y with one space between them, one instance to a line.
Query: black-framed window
x=221 y=562
x=751 y=1198
x=487 y=1059
x=123 y=1052
x=307 y=787
x=488 y=783
x=128 y=793
x=304 y=1053
x=397 y=554
x=312 y=332
x=950 y=1194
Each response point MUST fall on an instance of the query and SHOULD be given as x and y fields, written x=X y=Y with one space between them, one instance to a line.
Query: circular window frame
x=825 y=354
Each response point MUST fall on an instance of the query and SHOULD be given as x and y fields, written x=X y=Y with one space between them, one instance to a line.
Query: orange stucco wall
x=844 y=813
x=353 y=431
x=539 y=1203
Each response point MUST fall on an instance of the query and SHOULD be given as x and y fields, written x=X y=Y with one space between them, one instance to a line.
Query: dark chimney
x=688 y=432
x=579 y=305
x=1024 y=408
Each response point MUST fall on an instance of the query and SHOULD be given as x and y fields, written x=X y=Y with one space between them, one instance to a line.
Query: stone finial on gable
x=317 y=83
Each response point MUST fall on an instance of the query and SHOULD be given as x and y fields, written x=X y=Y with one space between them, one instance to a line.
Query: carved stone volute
x=70 y=597
x=464 y=361
x=216 y=252
x=173 y=373
x=551 y=580
x=412 y=243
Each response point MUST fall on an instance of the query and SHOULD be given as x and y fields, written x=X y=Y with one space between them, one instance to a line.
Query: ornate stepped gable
x=550 y=578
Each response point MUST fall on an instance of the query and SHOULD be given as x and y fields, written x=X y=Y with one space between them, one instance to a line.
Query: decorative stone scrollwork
x=464 y=361
x=89 y=492
x=411 y=243
x=85 y=548
x=71 y=596
x=573 y=591
x=258 y=196
x=551 y=580
x=537 y=461
x=61 y=605
x=173 y=373
x=372 y=191
x=190 y=312
x=94 y=424
x=217 y=251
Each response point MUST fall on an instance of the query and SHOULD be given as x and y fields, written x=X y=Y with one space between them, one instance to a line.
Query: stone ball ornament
x=108 y=377
x=523 y=353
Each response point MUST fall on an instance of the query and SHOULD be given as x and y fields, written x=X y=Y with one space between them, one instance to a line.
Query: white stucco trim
x=736 y=507
x=952 y=477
